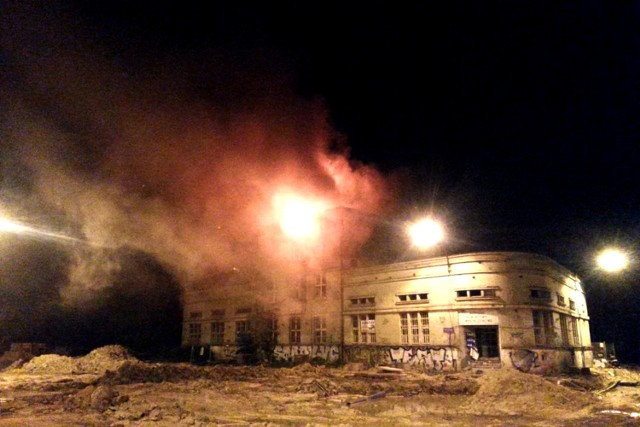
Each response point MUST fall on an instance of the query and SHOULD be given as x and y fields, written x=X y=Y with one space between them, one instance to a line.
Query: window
x=243 y=310
x=273 y=329
x=573 y=326
x=364 y=328
x=295 y=329
x=195 y=315
x=543 y=327
x=320 y=288
x=476 y=293
x=355 y=328
x=217 y=333
x=242 y=329
x=564 y=329
x=541 y=294
x=217 y=313
x=560 y=300
x=412 y=298
x=414 y=327
x=415 y=330
x=319 y=330
x=362 y=301
x=572 y=304
x=195 y=333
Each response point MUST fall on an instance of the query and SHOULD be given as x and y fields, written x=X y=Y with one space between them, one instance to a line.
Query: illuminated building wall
x=493 y=308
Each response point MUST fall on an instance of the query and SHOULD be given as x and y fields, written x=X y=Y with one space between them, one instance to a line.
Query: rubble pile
x=98 y=398
x=105 y=358
x=132 y=372
x=449 y=385
x=135 y=371
x=523 y=393
x=51 y=364
x=98 y=361
x=622 y=374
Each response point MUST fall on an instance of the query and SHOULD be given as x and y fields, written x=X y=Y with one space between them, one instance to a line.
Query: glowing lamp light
x=612 y=260
x=426 y=233
x=298 y=217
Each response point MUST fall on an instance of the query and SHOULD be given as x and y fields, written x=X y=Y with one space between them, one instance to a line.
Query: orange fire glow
x=298 y=217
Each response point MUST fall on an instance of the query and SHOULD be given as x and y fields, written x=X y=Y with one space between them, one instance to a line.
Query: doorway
x=487 y=341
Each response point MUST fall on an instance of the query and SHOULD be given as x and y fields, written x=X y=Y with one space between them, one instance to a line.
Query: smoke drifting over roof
x=178 y=157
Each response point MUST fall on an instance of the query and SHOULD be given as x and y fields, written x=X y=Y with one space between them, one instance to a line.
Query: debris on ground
x=512 y=392
x=110 y=387
x=390 y=369
x=373 y=396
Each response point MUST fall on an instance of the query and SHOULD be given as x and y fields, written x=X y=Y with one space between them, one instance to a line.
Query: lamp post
x=301 y=218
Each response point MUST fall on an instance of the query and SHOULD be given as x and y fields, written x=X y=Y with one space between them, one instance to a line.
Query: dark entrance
x=487 y=341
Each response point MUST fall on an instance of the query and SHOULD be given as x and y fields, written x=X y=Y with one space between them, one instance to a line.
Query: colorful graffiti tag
x=289 y=353
x=523 y=360
x=427 y=358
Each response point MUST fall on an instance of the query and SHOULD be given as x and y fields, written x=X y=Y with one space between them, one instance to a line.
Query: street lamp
x=301 y=218
x=612 y=260
x=426 y=233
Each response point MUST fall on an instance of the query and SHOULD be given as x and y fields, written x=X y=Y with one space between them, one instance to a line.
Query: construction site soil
x=109 y=387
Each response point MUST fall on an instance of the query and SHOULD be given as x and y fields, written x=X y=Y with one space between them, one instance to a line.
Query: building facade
x=492 y=308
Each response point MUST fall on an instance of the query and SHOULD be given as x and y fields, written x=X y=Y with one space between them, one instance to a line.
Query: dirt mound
x=99 y=398
x=509 y=391
x=131 y=372
x=51 y=364
x=103 y=359
x=98 y=361
x=613 y=374
x=134 y=371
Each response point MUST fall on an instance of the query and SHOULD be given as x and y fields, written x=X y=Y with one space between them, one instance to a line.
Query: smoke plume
x=177 y=156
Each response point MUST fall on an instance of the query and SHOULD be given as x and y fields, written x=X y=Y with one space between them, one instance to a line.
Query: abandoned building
x=488 y=308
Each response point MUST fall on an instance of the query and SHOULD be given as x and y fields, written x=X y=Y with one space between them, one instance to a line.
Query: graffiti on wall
x=524 y=360
x=225 y=352
x=288 y=353
x=541 y=361
x=427 y=358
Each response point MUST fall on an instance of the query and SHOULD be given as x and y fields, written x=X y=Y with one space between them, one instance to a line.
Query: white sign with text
x=477 y=319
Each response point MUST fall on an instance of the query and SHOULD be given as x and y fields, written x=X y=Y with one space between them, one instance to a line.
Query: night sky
x=516 y=123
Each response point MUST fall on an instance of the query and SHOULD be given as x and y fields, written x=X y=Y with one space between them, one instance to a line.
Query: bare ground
x=110 y=388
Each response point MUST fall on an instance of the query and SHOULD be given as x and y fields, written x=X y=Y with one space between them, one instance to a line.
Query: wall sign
x=477 y=319
x=368 y=326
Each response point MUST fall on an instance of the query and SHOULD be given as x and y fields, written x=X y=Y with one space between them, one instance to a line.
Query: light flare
x=298 y=217
x=612 y=260
x=8 y=226
x=426 y=233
